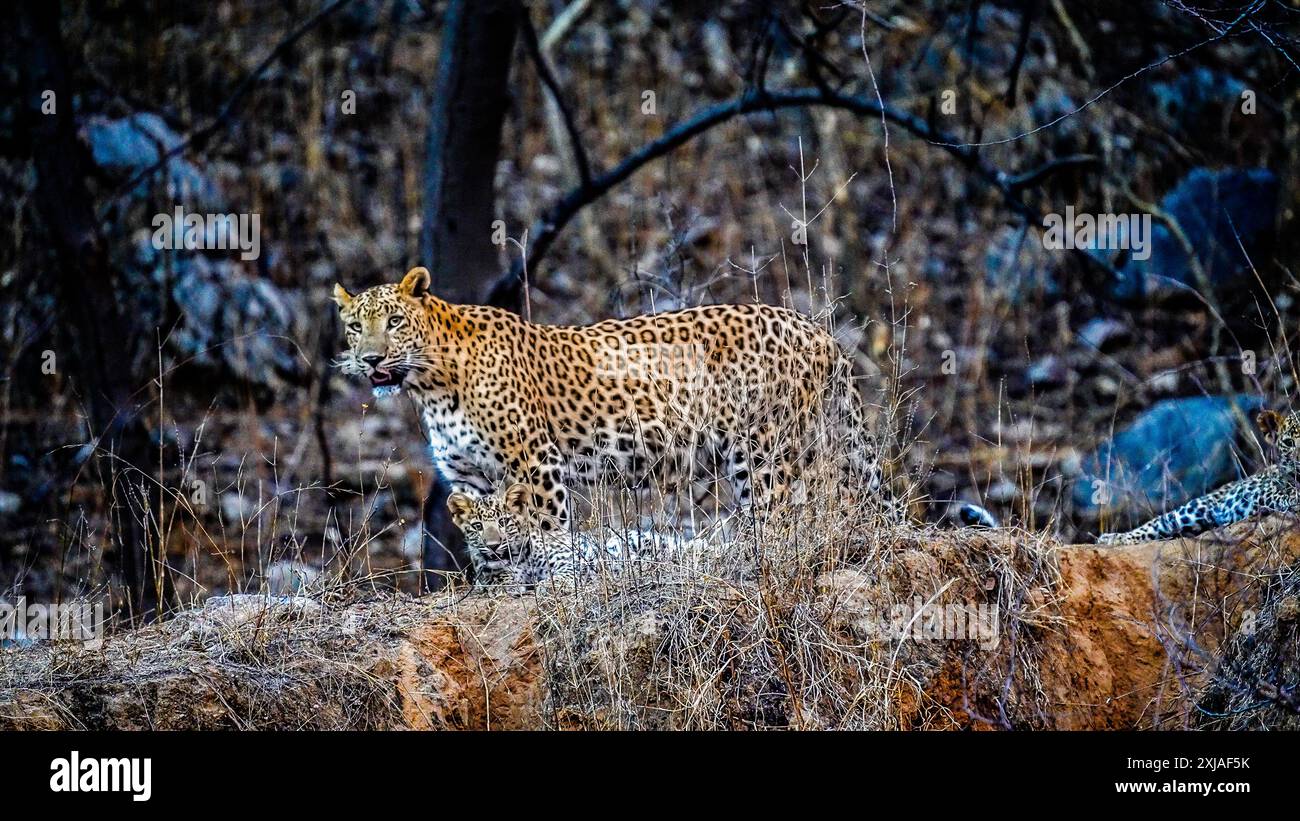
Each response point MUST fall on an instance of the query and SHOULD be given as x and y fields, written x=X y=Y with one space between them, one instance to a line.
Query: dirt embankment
x=1142 y=625
x=1096 y=638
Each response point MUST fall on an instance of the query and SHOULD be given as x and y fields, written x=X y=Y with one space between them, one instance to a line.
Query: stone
x=1175 y=451
x=1214 y=210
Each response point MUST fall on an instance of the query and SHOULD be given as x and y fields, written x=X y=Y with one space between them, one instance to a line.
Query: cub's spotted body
x=753 y=387
x=1275 y=489
x=504 y=547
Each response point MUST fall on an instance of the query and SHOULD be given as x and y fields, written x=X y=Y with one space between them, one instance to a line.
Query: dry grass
x=1254 y=678
x=782 y=621
x=777 y=629
x=781 y=633
x=782 y=624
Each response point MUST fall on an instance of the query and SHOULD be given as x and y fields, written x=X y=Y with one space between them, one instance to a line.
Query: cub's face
x=491 y=525
x=386 y=331
x=1288 y=436
x=1284 y=430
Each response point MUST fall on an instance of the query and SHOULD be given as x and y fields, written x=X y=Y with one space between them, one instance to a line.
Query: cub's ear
x=459 y=506
x=415 y=283
x=1270 y=422
x=517 y=497
x=341 y=296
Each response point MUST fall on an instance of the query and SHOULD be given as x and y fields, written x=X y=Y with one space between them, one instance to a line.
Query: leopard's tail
x=866 y=459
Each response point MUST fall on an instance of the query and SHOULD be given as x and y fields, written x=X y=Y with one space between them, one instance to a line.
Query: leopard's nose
x=372 y=360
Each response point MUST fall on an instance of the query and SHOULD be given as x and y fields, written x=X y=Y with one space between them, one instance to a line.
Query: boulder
x=1186 y=101
x=1214 y=209
x=129 y=145
x=1175 y=451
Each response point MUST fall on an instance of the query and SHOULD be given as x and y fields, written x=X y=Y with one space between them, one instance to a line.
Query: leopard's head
x=389 y=331
x=493 y=525
x=1283 y=430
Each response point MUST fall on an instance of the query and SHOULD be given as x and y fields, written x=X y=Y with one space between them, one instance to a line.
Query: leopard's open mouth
x=387 y=377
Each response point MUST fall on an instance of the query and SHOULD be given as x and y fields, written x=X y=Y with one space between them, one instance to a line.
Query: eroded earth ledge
x=1185 y=633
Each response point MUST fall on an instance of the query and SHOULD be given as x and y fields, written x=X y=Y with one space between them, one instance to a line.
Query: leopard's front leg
x=489 y=571
x=1164 y=526
x=552 y=562
x=1230 y=503
x=545 y=474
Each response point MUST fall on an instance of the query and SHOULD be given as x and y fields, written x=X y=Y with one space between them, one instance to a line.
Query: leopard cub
x=506 y=547
x=1275 y=489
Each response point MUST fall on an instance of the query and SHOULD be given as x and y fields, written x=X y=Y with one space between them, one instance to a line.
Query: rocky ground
x=1064 y=402
x=1186 y=633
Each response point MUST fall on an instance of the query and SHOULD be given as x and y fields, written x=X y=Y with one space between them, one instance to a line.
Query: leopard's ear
x=415 y=283
x=517 y=496
x=459 y=506
x=341 y=296
x=1270 y=422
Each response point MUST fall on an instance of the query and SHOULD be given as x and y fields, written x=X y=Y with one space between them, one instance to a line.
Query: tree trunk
x=469 y=103
x=90 y=316
x=470 y=97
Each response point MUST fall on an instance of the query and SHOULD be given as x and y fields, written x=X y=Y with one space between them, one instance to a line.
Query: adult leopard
x=759 y=390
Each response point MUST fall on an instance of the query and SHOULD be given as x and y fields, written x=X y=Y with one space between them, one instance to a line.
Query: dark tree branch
x=972 y=31
x=815 y=61
x=547 y=77
x=1028 y=10
x=1042 y=172
x=545 y=229
x=468 y=104
x=760 y=55
x=199 y=138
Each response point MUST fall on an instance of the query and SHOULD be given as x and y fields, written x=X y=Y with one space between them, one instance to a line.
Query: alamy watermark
x=76 y=620
x=193 y=232
x=684 y=363
x=1098 y=232
x=75 y=773
x=919 y=620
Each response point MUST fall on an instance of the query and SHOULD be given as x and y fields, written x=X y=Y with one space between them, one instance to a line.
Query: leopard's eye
x=354 y=327
x=395 y=320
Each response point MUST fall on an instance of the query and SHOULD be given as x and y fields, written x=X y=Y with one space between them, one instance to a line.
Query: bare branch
x=200 y=137
x=1048 y=168
x=1027 y=13
x=546 y=228
x=547 y=77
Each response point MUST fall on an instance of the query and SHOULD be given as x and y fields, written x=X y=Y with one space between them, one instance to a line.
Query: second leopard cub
x=505 y=547
x=1275 y=489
